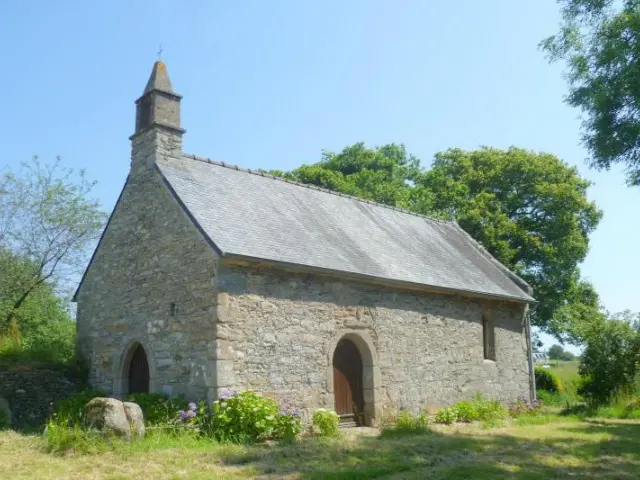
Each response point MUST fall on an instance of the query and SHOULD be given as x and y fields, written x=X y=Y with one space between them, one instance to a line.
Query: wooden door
x=347 y=379
x=139 y=372
x=342 y=392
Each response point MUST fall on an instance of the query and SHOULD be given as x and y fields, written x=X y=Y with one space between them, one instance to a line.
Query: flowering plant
x=288 y=423
x=326 y=422
x=243 y=416
x=522 y=406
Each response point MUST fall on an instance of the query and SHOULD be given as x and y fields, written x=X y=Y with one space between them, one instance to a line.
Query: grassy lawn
x=560 y=449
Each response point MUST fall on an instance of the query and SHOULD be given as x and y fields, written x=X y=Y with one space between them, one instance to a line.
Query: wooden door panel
x=343 y=394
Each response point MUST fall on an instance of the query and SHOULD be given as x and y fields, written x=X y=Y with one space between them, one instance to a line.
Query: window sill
x=486 y=360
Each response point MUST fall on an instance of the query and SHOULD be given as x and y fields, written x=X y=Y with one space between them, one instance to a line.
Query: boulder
x=5 y=414
x=135 y=418
x=107 y=415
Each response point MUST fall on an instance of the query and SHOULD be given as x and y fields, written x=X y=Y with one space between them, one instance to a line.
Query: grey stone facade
x=210 y=324
x=279 y=331
x=151 y=281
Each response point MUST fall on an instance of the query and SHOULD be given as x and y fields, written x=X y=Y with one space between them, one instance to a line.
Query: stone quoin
x=210 y=278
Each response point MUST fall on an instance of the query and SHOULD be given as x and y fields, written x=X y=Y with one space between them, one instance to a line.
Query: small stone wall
x=33 y=395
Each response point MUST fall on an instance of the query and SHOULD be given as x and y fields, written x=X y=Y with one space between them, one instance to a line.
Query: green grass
x=542 y=446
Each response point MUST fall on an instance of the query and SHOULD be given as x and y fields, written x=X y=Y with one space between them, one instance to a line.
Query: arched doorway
x=138 y=371
x=348 y=382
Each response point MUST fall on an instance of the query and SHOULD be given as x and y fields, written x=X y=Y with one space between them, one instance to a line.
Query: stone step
x=348 y=421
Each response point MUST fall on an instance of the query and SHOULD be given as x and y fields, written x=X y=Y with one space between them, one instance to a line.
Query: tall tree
x=47 y=222
x=43 y=325
x=600 y=42
x=382 y=174
x=531 y=211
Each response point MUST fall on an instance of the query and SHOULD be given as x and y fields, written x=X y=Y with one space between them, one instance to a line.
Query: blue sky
x=271 y=84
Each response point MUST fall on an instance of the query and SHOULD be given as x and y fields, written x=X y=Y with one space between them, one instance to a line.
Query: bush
x=489 y=410
x=288 y=427
x=447 y=415
x=407 y=424
x=70 y=411
x=326 y=422
x=560 y=399
x=522 y=406
x=157 y=408
x=548 y=381
x=61 y=438
x=4 y=419
x=243 y=417
x=466 y=411
x=609 y=363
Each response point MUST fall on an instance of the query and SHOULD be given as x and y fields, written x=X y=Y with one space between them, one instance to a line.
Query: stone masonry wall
x=277 y=332
x=34 y=394
x=152 y=281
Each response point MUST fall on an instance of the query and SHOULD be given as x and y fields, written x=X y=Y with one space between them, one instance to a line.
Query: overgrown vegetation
x=404 y=423
x=548 y=381
x=611 y=360
x=47 y=224
x=478 y=409
x=236 y=417
x=158 y=408
x=326 y=422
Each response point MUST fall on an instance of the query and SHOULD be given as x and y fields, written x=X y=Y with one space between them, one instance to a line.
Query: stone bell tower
x=158 y=131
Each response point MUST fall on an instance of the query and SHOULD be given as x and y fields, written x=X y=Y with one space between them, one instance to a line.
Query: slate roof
x=246 y=214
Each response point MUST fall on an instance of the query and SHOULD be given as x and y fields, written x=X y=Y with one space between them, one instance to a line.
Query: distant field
x=568 y=373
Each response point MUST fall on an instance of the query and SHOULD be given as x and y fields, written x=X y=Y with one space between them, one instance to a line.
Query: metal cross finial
x=160 y=53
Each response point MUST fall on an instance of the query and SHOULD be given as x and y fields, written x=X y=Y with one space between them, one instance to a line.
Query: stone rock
x=108 y=415
x=5 y=414
x=135 y=418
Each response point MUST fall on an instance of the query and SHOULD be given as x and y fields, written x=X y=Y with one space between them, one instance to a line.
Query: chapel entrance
x=138 y=371
x=347 y=382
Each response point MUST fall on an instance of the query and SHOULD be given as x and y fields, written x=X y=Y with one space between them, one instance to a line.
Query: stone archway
x=362 y=379
x=135 y=371
x=138 y=373
x=347 y=382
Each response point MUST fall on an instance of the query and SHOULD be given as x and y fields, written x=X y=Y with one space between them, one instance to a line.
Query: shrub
x=447 y=415
x=70 y=411
x=243 y=417
x=609 y=363
x=522 y=406
x=548 y=381
x=466 y=411
x=4 y=419
x=407 y=424
x=61 y=438
x=562 y=399
x=288 y=427
x=326 y=422
x=489 y=410
x=157 y=408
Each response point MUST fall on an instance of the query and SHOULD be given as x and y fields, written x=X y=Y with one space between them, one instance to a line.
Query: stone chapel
x=210 y=278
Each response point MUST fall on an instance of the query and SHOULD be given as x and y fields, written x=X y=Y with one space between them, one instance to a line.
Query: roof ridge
x=192 y=156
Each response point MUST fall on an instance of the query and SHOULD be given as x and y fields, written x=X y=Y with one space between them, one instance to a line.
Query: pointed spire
x=159 y=79
x=159 y=105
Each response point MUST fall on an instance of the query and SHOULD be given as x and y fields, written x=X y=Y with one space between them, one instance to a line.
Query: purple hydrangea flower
x=185 y=415
x=228 y=395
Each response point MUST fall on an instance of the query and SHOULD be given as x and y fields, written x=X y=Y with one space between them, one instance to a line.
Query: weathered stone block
x=107 y=415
